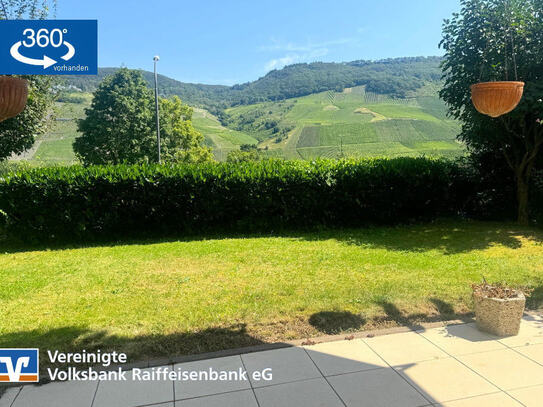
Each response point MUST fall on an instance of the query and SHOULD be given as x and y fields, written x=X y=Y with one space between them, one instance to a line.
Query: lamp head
x=156 y=58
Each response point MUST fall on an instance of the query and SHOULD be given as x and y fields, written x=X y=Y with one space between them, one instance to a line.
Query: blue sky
x=228 y=42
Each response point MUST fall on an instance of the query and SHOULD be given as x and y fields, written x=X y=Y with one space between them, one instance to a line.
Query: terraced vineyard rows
x=219 y=138
x=359 y=123
x=328 y=124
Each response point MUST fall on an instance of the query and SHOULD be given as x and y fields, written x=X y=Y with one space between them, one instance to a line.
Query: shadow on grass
x=138 y=348
x=535 y=300
x=448 y=237
x=334 y=322
x=445 y=237
x=444 y=311
x=339 y=322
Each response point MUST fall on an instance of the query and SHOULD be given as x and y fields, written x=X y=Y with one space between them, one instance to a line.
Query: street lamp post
x=156 y=59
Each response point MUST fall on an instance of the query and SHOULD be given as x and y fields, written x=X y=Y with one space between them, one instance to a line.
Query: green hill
x=221 y=139
x=395 y=77
x=360 y=108
x=210 y=96
x=354 y=122
x=55 y=147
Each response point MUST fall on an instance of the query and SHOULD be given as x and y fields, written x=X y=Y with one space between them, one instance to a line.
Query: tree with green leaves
x=26 y=9
x=120 y=125
x=19 y=133
x=500 y=40
x=182 y=143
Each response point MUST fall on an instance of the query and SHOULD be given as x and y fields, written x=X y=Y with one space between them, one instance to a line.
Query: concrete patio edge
x=156 y=362
x=285 y=344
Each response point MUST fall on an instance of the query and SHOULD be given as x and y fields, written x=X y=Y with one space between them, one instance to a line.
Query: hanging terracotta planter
x=496 y=98
x=13 y=96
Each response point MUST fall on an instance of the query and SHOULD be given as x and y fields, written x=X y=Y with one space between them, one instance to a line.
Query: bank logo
x=19 y=365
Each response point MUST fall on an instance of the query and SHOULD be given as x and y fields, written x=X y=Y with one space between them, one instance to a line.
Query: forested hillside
x=361 y=108
x=194 y=94
x=393 y=77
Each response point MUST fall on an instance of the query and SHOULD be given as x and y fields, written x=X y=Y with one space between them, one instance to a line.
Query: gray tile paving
x=534 y=352
x=288 y=365
x=529 y=396
x=403 y=348
x=190 y=389
x=490 y=400
x=462 y=339
x=333 y=358
x=445 y=380
x=7 y=397
x=455 y=366
x=376 y=388
x=73 y=394
x=314 y=393
x=506 y=368
x=170 y=404
x=244 y=398
x=132 y=393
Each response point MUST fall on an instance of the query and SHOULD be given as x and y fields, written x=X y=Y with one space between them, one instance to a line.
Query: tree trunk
x=523 y=192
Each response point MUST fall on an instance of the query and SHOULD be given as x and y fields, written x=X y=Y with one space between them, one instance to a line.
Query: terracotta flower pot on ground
x=13 y=96
x=498 y=309
x=496 y=98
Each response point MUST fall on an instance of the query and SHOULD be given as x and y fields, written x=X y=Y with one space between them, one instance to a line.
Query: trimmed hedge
x=115 y=201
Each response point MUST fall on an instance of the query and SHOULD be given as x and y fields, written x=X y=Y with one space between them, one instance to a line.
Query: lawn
x=152 y=299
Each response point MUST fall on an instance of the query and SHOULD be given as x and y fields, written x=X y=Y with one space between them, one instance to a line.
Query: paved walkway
x=453 y=366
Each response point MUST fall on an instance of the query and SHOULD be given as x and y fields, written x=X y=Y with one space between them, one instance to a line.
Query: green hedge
x=114 y=201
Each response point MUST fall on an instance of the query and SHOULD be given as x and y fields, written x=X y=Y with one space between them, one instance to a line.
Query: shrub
x=537 y=197
x=71 y=98
x=113 y=201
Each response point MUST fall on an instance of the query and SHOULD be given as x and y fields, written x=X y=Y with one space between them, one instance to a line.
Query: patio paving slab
x=505 y=368
x=376 y=388
x=132 y=393
x=341 y=357
x=73 y=394
x=454 y=366
x=191 y=389
x=314 y=393
x=530 y=396
x=534 y=352
x=244 y=398
x=463 y=339
x=403 y=348
x=491 y=400
x=445 y=380
x=6 y=399
x=288 y=365
x=531 y=332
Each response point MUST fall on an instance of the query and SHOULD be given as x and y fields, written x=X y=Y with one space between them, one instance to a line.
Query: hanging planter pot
x=496 y=98
x=13 y=96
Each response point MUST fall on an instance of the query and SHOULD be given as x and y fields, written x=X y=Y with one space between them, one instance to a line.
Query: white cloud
x=299 y=52
x=280 y=62
x=304 y=47
x=292 y=58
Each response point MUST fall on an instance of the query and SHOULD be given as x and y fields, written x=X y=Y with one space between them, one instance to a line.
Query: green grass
x=177 y=297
